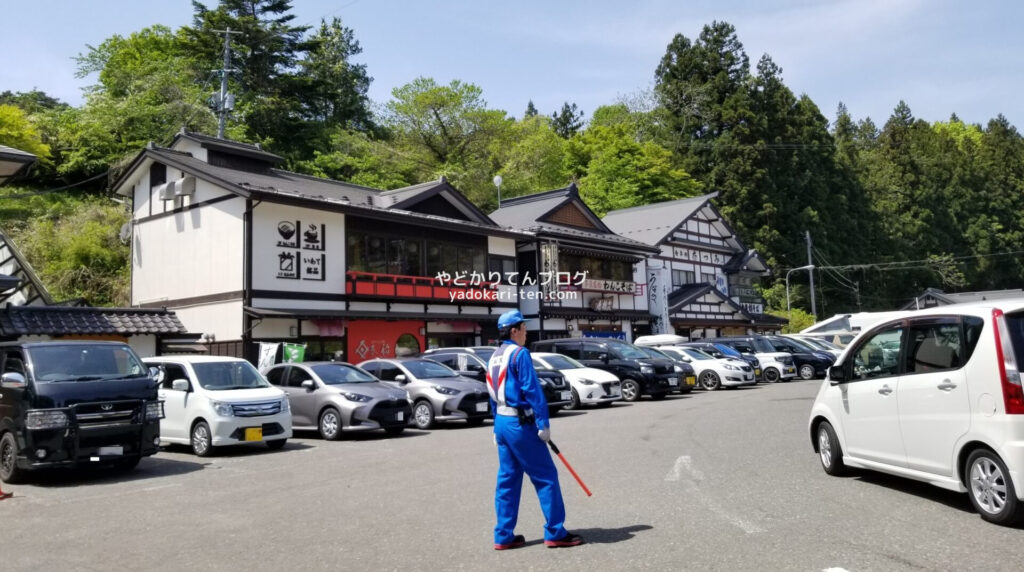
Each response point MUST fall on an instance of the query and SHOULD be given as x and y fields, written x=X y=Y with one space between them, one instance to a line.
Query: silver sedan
x=437 y=392
x=333 y=397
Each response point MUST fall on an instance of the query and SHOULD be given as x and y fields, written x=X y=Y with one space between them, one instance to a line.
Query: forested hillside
x=893 y=207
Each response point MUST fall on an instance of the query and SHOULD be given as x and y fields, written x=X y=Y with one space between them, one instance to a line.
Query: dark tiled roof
x=651 y=223
x=230 y=146
x=59 y=320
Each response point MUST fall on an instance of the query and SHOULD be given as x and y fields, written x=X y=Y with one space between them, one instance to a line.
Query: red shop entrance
x=368 y=339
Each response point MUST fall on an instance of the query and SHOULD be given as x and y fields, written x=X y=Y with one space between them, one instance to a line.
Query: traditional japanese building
x=591 y=280
x=246 y=252
x=702 y=278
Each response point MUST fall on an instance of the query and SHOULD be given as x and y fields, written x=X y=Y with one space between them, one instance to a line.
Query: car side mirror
x=154 y=372
x=180 y=385
x=12 y=380
x=603 y=357
x=308 y=385
x=400 y=378
x=836 y=374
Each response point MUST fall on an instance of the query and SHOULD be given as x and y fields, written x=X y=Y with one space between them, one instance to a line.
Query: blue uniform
x=519 y=448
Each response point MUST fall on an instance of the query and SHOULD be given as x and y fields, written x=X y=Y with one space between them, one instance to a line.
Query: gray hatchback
x=333 y=397
x=437 y=392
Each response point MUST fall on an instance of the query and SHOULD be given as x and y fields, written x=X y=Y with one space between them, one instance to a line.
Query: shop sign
x=618 y=286
x=753 y=308
x=694 y=255
x=605 y=304
x=301 y=251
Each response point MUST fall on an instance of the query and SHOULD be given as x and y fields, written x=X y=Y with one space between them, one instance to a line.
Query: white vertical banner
x=267 y=354
x=657 y=299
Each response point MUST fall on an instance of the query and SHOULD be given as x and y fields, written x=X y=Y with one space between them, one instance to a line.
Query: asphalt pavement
x=724 y=480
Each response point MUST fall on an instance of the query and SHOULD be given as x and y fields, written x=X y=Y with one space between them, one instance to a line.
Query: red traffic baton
x=568 y=466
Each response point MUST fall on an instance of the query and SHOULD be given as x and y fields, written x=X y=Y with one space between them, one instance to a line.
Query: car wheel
x=574 y=401
x=394 y=430
x=710 y=381
x=9 y=471
x=423 y=415
x=991 y=489
x=330 y=424
x=829 y=451
x=806 y=371
x=277 y=444
x=202 y=440
x=771 y=375
x=630 y=390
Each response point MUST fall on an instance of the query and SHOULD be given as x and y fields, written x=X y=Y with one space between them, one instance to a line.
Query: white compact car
x=933 y=395
x=211 y=401
x=590 y=386
x=713 y=373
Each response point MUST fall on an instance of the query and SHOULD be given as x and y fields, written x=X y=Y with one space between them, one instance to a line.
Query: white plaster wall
x=298 y=304
x=276 y=328
x=269 y=244
x=222 y=319
x=144 y=345
x=499 y=246
x=192 y=253
x=188 y=146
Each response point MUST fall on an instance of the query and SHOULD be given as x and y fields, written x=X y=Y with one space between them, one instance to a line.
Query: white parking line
x=684 y=467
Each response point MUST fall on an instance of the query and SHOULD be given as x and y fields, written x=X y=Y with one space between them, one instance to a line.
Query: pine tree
x=568 y=121
x=531 y=111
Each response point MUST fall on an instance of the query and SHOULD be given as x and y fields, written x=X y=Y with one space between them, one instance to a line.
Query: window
x=296 y=375
x=571 y=349
x=705 y=277
x=596 y=268
x=452 y=258
x=14 y=363
x=743 y=347
x=404 y=257
x=371 y=368
x=878 y=356
x=933 y=347
x=450 y=360
x=682 y=277
x=504 y=267
x=172 y=371
x=592 y=351
x=276 y=375
x=376 y=255
x=973 y=326
x=388 y=372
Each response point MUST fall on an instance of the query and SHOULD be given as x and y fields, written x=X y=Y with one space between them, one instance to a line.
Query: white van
x=933 y=395
x=211 y=401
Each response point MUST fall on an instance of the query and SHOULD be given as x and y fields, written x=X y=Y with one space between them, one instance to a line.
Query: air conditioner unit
x=165 y=191
x=185 y=186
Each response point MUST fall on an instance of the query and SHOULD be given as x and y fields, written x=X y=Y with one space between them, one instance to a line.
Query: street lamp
x=808 y=267
x=497 y=183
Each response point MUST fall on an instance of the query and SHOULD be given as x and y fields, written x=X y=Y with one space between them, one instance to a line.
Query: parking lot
x=724 y=481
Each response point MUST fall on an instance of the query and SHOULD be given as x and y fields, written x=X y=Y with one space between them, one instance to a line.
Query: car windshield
x=731 y=352
x=800 y=345
x=562 y=362
x=697 y=354
x=762 y=345
x=825 y=343
x=816 y=344
x=335 y=373
x=426 y=369
x=84 y=362
x=224 y=375
x=631 y=352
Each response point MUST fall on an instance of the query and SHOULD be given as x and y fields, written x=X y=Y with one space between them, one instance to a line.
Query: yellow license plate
x=757 y=372
x=253 y=433
x=691 y=380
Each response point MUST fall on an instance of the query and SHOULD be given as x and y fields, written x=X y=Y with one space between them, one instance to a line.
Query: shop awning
x=315 y=314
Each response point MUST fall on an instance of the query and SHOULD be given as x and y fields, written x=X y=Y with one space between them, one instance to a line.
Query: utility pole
x=810 y=262
x=225 y=101
x=856 y=292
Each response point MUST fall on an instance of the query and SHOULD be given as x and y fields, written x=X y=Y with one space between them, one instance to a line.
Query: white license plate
x=400 y=416
x=481 y=407
x=673 y=381
x=110 y=451
x=566 y=395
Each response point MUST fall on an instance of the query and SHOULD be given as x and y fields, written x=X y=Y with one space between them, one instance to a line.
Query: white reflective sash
x=496 y=387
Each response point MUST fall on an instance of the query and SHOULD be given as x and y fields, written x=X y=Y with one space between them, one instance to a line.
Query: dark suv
x=68 y=403
x=810 y=363
x=640 y=373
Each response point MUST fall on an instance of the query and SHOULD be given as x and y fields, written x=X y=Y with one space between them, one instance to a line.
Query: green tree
x=531 y=111
x=535 y=160
x=568 y=121
x=17 y=131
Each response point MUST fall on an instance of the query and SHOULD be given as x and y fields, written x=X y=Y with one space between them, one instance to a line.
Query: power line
x=58 y=189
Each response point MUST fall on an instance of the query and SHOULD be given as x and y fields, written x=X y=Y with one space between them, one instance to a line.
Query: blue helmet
x=510 y=318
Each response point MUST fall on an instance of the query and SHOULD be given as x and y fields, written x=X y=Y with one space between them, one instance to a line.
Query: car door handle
x=947 y=385
x=885 y=390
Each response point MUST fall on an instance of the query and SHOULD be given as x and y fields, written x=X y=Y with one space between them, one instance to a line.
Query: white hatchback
x=211 y=401
x=933 y=395
x=713 y=373
x=590 y=386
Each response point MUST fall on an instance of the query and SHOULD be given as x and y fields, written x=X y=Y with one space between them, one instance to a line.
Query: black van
x=74 y=403
x=639 y=373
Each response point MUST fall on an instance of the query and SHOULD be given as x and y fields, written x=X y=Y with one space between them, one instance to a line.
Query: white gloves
x=544 y=434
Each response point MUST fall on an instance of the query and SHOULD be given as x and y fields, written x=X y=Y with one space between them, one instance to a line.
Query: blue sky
x=941 y=56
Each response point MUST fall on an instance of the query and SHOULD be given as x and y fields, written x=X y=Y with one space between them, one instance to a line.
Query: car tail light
x=1009 y=374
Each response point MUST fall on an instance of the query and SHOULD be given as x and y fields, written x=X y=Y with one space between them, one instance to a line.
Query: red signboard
x=408 y=287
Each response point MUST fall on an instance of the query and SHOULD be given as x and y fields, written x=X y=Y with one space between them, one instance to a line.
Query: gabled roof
x=961 y=297
x=652 y=223
x=688 y=293
x=531 y=212
x=62 y=320
x=29 y=289
x=13 y=162
x=406 y=198
x=229 y=146
x=748 y=260
x=293 y=188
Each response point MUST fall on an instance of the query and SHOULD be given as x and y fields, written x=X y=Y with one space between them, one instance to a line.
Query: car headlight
x=285 y=404
x=729 y=366
x=446 y=390
x=154 y=410
x=678 y=369
x=586 y=381
x=357 y=397
x=222 y=409
x=648 y=369
x=46 y=419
